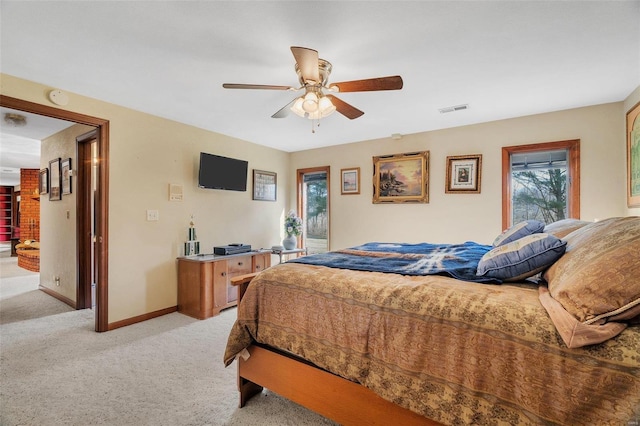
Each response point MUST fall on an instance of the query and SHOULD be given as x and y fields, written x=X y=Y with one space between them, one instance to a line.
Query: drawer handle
x=257 y=266
x=224 y=274
x=239 y=263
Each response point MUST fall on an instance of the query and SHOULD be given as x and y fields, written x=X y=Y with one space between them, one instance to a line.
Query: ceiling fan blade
x=255 y=86
x=344 y=108
x=371 y=84
x=307 y=60
x=284 y=111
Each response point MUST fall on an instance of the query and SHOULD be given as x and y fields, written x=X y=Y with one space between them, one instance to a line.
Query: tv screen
x=217 y=172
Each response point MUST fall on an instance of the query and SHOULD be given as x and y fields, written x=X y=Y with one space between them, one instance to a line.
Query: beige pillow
x=563 y=227
x=598 y=277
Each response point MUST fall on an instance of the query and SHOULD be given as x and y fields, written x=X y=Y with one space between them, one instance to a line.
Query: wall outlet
x=153 y=215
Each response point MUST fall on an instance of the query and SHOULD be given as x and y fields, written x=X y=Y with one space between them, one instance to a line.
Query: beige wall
x=57 y=231
x=629 y=103
x=147 y=153
x=450 y=218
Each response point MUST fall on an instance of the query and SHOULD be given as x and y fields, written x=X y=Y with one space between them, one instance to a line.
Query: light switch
x=153 y=215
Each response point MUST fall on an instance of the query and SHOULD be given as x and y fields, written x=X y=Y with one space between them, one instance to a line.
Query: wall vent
x=454 y=108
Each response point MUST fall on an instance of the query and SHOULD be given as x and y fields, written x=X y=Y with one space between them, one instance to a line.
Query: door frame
x=300 y=182
x=85 y=219
x=102 y=196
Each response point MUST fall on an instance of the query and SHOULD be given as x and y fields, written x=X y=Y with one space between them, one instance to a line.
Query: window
x=541 y=182
x=313 y=208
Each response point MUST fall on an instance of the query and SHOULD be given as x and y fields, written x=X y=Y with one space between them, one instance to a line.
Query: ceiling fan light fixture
x=318 y=102
x=310 y=103
x=325 y=106
x=297 y=107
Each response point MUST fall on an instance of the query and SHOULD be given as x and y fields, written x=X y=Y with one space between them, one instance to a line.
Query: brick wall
x=29 y=204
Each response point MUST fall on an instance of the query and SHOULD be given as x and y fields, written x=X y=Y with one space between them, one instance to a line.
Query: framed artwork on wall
x=67 y=183
x=401 y=178
x=350 y=181
x=633 y=156
x=463 y=174
x=264 y=185
x=43 y=184
x=55 y=181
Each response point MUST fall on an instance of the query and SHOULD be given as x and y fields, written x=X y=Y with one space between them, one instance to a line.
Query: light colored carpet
x=55 y=370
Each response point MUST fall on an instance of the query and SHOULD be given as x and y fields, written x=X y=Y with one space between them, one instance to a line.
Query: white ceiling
x=170 y=58
x=20 y=146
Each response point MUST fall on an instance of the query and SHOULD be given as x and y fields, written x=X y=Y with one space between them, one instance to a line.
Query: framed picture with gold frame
x=350 y=181
x=463 y=174
x=633 y=156
x=401 y=178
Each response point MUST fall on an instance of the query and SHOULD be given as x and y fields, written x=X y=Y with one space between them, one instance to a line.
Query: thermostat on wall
x=175 y=192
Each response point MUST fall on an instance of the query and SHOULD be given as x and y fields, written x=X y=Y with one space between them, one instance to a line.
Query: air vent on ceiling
x=454 y=108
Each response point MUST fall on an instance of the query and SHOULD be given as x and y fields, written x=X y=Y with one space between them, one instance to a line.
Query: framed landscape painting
x=633 y=156
x=401 y=178
x=350 y=181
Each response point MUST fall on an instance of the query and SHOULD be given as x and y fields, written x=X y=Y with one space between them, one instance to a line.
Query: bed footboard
x=341 y=400
x=332 y=396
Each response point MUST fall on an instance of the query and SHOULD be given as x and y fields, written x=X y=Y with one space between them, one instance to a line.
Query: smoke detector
x=58 y=97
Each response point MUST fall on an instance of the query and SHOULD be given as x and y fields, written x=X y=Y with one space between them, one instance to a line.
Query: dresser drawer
x=239 y=265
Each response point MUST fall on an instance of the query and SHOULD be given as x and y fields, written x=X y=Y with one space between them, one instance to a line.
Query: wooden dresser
x=204 y=282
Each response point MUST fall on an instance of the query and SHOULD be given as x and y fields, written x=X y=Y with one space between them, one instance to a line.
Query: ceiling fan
x=318 y=100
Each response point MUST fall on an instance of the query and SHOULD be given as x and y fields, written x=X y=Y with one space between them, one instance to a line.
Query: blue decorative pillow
x=518 y=231
x=522 y=258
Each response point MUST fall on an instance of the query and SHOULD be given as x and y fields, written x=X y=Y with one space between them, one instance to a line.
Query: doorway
x=99 y=202
x=313 y=208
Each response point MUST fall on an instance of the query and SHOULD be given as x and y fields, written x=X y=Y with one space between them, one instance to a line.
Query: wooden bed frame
x=332 y=396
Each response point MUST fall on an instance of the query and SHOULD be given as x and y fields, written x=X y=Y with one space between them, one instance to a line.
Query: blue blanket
x=455 y=260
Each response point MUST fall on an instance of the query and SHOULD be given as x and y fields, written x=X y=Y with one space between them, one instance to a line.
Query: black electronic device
x=217 y=172
x=235 y=248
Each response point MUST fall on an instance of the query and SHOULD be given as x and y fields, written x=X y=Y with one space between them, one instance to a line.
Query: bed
x=559 y=344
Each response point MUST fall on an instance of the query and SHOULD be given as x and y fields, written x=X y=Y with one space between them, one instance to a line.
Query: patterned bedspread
x=456 y=352
x=455 y=260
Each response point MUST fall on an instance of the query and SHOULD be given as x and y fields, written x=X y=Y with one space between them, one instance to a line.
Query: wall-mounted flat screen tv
x=217 y=172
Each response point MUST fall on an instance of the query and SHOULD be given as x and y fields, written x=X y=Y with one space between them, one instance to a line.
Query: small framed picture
x=44 y=181
x=55 y=180
x=264 y=185
x=66 y=177
x=463 y=174
x=350 y=181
